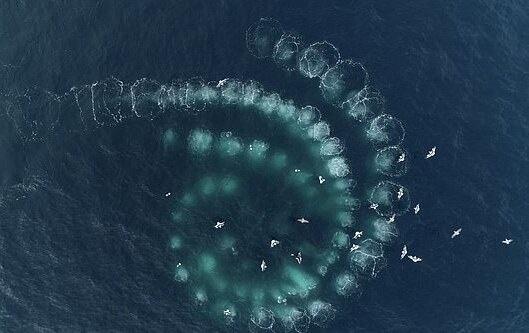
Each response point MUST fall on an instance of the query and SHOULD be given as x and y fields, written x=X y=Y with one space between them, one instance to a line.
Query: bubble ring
x=260 y=180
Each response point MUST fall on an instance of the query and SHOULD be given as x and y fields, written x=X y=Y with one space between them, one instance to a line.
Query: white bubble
x=385 y=130
x=343 y=81
x=208 y=94
x=207 y=186
x=317 y=59
x=390 y=198
x=286 y=111
x=200 y=297
x=257 y=150
x=176 y=242
x=229 y=145
x=369 y=258
x=252 y=91
x=340 y=240
x=263 y=318
x=231 y=91
x=349 y=202
x=346 y=284
x=345 y=185
x=145 y=94
x=308 y=116
x=383 y=231
x=319 y=131
x=191 y=95
x=200 y=141
x=322 y=270
x=365 y=105
x=286 y=52
x=321 y=313
x=391 y=161
x=181 y=274
x=338 y=167
x=262 y=36
x=270 y=103
x=107 y=104
x=345 y=219
x=331 y=146
x=295 y=319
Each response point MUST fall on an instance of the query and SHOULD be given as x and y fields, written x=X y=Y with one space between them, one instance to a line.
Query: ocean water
x=84 y=227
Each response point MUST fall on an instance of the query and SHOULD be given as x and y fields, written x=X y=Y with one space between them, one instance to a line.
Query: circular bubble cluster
x=255 y=198
x=317 y=59
x=344 y=85
x=270 y=226
x=262 y=37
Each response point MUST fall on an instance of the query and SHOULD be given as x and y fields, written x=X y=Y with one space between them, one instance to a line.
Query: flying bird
x=263 y=266
x=354 y=248
x=414 y=258
x=431 y=153
x=400 y=193
x=219 y=225
x=358 y=234
x=298 y=257
x=222 y=82
x=404 y=252
x=303 y=220
x=416 y=209
x=456 y=233
x=507 y=241
x=274 y=243
x=373 y=206
x=402 y=157
x=321 y=179
x=392 y=218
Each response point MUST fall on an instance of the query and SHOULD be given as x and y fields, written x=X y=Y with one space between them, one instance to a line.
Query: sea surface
x=83 y=227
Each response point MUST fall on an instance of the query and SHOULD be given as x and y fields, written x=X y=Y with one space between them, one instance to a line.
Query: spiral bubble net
x=267 y=209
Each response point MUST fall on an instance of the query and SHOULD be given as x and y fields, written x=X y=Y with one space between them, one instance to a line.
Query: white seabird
x=354 y=248
x=416 y=209
x=400 y=193
x=263 y=266
x=404 y=252
x=402 y=157
x=358 y=234
x=222 y=82
x=431 y=152
x=414 y=258
x=219 y=224
x=456 y=233
x=321 y=179
x=507 y=241
x=303 y=220
x=274 y=242
x=298 y=257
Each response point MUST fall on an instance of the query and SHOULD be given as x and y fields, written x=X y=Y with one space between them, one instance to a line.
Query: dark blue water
x=80 y=238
